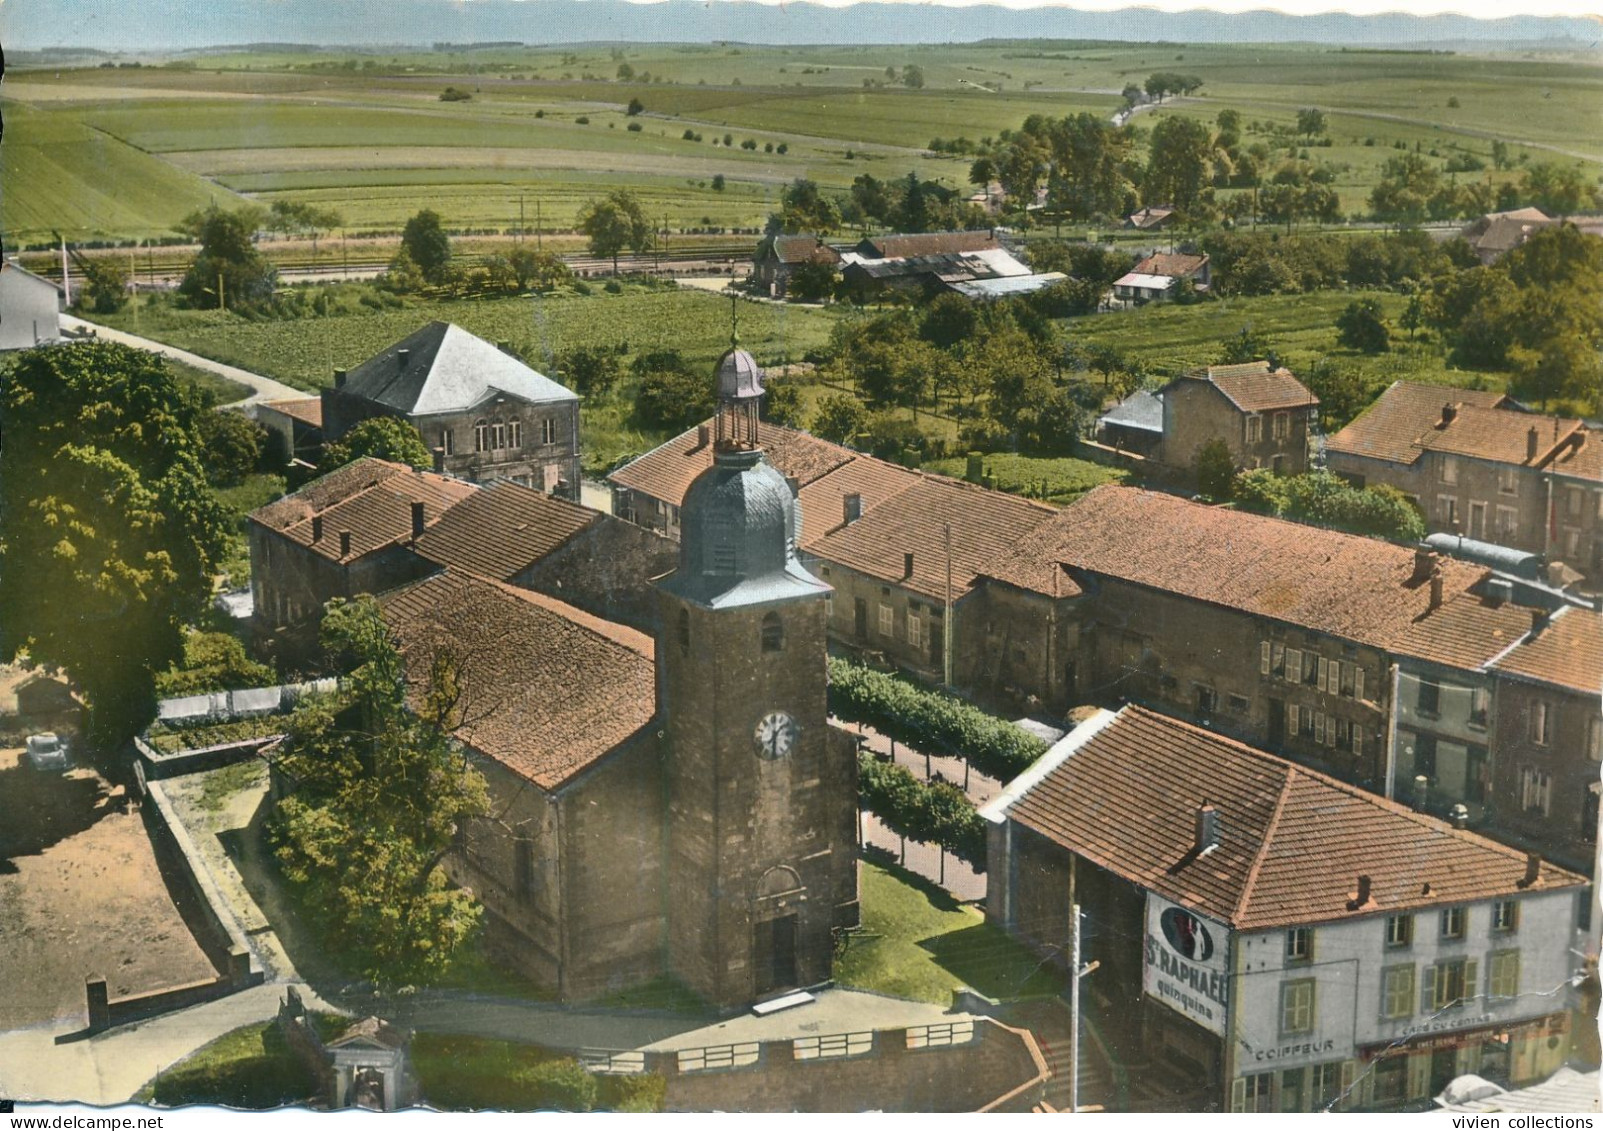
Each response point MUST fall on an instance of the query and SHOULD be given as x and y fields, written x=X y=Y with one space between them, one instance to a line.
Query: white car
x=47 y=751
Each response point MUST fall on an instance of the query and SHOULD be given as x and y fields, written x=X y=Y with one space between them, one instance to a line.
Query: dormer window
x=724 y=559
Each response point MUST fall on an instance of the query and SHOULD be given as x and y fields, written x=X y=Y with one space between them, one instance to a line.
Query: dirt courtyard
x=80 y=895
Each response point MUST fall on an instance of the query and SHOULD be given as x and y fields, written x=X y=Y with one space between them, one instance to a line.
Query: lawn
x=917 y=942
x=1057 y=479
x=251 y=1067
x=462 y=1073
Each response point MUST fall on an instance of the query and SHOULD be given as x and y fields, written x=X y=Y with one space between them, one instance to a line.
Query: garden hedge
x=932 y=812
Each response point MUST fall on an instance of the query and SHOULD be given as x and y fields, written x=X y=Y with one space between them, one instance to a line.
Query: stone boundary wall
x=218 y=706
x=998 y=1069
x=157 y=766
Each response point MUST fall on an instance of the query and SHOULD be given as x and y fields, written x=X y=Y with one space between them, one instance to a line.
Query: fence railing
x=833 y=1045
x=939 y=1035
x=719 y=1056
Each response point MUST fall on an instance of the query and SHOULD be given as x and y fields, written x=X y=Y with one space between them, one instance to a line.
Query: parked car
x=47 y=751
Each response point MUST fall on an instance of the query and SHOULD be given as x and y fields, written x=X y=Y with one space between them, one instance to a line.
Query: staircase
x=1049 y=1022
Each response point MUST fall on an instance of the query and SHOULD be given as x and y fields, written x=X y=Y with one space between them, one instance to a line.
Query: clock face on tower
x=776 y=735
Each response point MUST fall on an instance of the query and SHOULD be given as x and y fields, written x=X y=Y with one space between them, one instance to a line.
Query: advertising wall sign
x=1186 y=963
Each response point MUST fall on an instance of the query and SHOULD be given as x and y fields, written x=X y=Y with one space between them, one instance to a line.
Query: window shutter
x=1322 y=674
x=1427 y=991
x=1471 y=969
x=1292 y=721
x=1358 y=682
x=1358 y=740
x=1238 y=1094
x=1330 y=732
x=1418 y=1077
x=1349 y=1077
x=1294 y=664
x=1263 y=658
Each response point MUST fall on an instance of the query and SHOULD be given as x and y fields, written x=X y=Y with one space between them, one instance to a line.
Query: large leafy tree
x=229 y=272
x=1179 y=164
x=109 y=531
x=613 y=223
x=382 y=437
x=379 y=788
x=671 y=394
x=804 y=208
x=424 y=241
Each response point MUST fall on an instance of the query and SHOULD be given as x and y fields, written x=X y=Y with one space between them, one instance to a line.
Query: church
x=678 y=806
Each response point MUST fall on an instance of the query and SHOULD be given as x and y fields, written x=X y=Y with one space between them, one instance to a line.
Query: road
x=262 y=388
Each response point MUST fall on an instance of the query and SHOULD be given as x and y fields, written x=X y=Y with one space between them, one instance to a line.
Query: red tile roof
x=502 y=529
x=1171 y=265
x=928 y=243
x=1581 y=459
x=1256 y=387
x=1466 y=632
x=823 y=501
x=370 y=498
x=1390 y=428
x=1565 y=652
x=1358 y=589
x=986 y=527
x=549 y=690
x=803 y=249
x=307 y=410
x=1501 y=436
x=1292 y=842
x=666 y=472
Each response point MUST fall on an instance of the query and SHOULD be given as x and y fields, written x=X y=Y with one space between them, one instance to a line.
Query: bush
x=1216 y=470
x=1362 y=326
x=453 y=94
x=582 y=120
x=634 y=127
x=930 y=721
x=213 y=661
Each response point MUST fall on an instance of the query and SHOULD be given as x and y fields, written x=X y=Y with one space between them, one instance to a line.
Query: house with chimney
x=1478 y=465
x=1273 y=632
x=1305 y=945
x=1158 y=276
x=1495 y=234
x=1259 y=409
x=778 y=257
x=484 y=413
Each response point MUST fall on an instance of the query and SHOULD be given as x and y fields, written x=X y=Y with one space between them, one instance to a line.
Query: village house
x=678 y=806
x=778 y=256
x=1307 y=946
x=1260 y=410
x=487 y=413
x=1477 y=465
x=1274 y=632
x=1153 y=218
x=877 y=532
x=1155 y=278
x=30 y=308
x=340 y=536
x=1495 y=234
x=1134 y=425
x=297 y=423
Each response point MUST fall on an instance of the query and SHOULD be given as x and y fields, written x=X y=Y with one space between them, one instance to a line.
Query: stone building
x=779 y=255
x=1261 y=412
x=1274 y=632
x=1480 y=466
x=298 y=424
x=487 y=413
x=1156 y=277
x=1307 y=946
x=679 y=806
x=340 y=536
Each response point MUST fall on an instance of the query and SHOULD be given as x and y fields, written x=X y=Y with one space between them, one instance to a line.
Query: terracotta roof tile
x=1255 y=387
x=549 y=689
x=928 y=243
x=666 y=472
x=1566 y=652
x=502 y=529
x=1389 y=428
x=370 y=498
x=1582 y=459
x=986 y=526
x=1466 y=632
x=1171 y=265
x=1500 y=436
x=308 y=410
x=823 y=501
x=1292 y=842
x=1358 y=589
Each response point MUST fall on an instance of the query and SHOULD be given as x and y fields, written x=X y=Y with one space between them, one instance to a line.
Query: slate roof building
x=488 y=414
x=1306 y=945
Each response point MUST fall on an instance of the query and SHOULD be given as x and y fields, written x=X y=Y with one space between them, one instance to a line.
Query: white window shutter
x=1292 y=720
x=1427 y=991
x=1319 y=727
x=1330 y=732
x=1471 y=970
x=1238 y=1094
x=1263 y=658
x=1322 y=674
x=1358 y=682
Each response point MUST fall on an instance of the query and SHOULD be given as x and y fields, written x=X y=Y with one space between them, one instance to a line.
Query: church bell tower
x=762 y=792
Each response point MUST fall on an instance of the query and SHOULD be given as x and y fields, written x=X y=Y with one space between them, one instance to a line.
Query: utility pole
x=539 y=226
x=946 y=621
x=221 y=302
x=1077 y=972
x=520 y=218
x=345 y=256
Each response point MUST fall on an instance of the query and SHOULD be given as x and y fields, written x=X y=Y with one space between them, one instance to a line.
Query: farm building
x=1156 y=277
x=30 y=308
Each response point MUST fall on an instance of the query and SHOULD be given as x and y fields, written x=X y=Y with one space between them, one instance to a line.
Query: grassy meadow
x=122 y=153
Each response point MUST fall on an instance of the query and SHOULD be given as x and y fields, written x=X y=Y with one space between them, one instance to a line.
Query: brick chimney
x=1361 y=896
x=439 y=461
x=1424 y=564
x=703 y=437
x=402 y=357
x=1207 y=832
x=1421 y=792
x=852 y=505
x=1538 y=621
x=1449 y=414
x=317 y=528
x=339 y=378
x=1533 y=440
x=1533 y=870
x=417 y=520
x=1436 y=585
x=345 y=543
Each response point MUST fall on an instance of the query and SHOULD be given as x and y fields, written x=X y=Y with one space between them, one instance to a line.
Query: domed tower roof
x=738 y=529
x=739 y=377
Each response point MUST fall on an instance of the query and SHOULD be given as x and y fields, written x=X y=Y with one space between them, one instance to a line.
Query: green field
x=123 y=153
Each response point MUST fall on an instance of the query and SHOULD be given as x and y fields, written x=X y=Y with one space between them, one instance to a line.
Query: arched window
x=481 y=436
x=773 y=633
x=684 y=631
